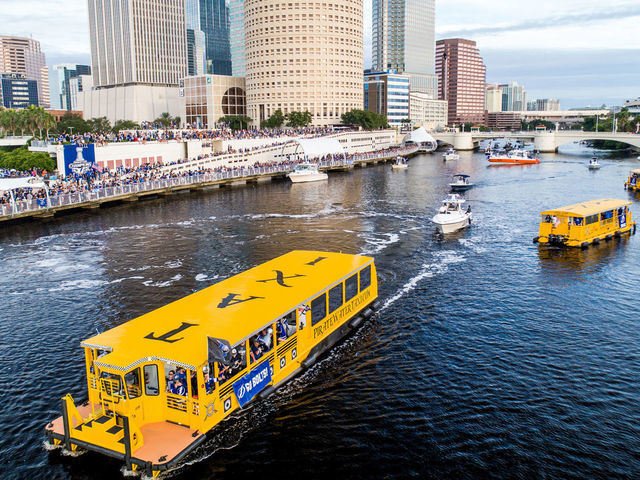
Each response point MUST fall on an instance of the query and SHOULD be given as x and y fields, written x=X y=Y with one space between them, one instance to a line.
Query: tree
x=99 y=125
x=276 y=120
x=299 y=119
x=166 y=120
x=236 y=122
x=71 y=122
x=124 y=125
x=24 y=160
x=365 y=118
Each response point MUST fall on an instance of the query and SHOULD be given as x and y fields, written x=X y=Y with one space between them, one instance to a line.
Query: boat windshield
x=306 y=168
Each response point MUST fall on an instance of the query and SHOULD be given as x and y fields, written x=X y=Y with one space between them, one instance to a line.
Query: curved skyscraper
x=304 y=56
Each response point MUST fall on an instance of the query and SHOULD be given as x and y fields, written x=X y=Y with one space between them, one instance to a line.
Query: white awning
x=318 y=147
x=7 y=184
x=419 y=136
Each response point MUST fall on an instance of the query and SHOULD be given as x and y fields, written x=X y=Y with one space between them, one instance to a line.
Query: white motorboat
x=307 y=172
x=594 y=164
x=461 y=183
x=401 y=163
x=451 y=216
x=451 y=154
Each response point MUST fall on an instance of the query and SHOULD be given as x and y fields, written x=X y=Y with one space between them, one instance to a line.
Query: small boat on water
x=401 y=163
x=633 y=182
x=585 y=223
x=451 y=154
x=461 y=183
x=594 y=164
x=451 y=217
x=307 y=172
x=514 y=157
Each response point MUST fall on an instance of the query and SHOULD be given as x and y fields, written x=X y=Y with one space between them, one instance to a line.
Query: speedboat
x=451 y=155
x=451 y=217
x=460 y=183
x=515 y=157
x=307 y=172
x=401 y=163
x=593 y=164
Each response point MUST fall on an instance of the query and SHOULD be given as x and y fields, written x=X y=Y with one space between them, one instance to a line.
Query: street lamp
x=71 y=128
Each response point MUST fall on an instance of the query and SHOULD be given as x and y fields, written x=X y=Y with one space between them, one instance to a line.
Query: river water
x=491 y=358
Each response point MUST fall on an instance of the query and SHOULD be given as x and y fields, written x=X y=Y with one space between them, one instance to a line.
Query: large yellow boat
x=157 y=384
x=585 y=223
x=633 y=182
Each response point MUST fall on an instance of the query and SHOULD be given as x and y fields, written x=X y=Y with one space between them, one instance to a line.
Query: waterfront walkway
x=130 y=193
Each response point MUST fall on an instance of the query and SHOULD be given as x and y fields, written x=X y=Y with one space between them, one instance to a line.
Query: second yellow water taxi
x=586 y=223
x=157 y=384
x=633 y=181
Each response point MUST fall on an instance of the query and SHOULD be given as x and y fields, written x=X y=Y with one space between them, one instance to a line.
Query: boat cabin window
x=318 y=308
x=607 y=215
x=176 y=378
x=577 y=221
x=547 y=219
x=365 y=278
x=151 y=385
x=591 y=219
x=112 y=384
x=335 y=298
x=132 y=381
x=237 y=363
x=351 y=287
x=285 y=327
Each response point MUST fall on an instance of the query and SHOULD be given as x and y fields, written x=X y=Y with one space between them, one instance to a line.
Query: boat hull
x=399 y=167
x=314 y=177
x=451 y=157
x=514 y=161
x=460 y=188
x=451 y=227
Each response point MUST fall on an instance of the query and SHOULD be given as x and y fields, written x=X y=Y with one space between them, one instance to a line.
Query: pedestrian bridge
x=546 y=142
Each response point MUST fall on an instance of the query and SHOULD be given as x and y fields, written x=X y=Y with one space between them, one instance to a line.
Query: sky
x=584 y=52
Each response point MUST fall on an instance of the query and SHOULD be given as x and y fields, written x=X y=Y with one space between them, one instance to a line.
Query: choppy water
x=490 y=359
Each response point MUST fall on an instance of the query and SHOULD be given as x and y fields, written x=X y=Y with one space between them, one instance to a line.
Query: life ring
x=211 y=409
x=586 y=231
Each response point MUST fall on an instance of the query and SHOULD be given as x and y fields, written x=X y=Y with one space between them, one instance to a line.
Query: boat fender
x=596 y=241
x=634 y=228
x=355 y=322
x=617 y=234
x=367 y=313
x=308 y=362
x=608 y=237
x=267 y=392
x=536 y=239
x=377 y=303
x=584 y=245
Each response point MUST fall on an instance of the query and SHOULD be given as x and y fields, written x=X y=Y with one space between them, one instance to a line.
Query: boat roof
x=462 y=175
x=453 y=198
x=589 y=208
x=637 y=170
x=233 y=310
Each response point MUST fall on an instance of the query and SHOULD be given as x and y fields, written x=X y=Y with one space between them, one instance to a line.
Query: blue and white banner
x=623 y=220
x=78 y=159
x=252 y=383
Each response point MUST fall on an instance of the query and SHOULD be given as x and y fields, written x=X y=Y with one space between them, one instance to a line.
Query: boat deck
x=163 y=441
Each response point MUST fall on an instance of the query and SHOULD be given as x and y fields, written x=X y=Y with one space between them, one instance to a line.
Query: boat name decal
x=340 y=314
x=280 y=278
x=317 y=260
x=230 y=300
x=167 y=336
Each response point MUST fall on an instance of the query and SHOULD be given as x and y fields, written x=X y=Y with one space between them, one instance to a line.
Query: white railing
x=114 y=193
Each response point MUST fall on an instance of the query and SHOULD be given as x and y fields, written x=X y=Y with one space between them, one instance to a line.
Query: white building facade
x=427 y=112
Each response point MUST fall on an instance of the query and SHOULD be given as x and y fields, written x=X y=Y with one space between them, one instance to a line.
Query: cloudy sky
x=585 y=52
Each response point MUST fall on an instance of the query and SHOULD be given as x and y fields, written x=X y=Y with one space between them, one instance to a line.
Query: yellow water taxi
x=633 y=182
x=157 y=384
x=585 y=223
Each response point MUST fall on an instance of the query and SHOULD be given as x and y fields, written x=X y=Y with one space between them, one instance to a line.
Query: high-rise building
x=138 y=56
x=60 y=77
x=137 y=42
x=22 y=56
x=387 y=93
x=236 y=37
x=209 y=97
x=514 y=97
x=545 y=105
x=16 y=91
x=403 y=34
x=461 y=79
x=426 y=112
x=208 y=25
x=304 y=56
x=493 y=99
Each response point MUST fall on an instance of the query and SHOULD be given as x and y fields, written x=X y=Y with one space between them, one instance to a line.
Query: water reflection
x=566 y=262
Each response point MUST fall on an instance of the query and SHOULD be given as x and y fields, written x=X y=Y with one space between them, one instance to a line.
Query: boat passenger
x=281 y=330
x=302 y=315
x=266 y=338
x=181 y=374
x=256 y=350
x=180 y=389
x=236 y=363
x=209 y=384
x=170 y=381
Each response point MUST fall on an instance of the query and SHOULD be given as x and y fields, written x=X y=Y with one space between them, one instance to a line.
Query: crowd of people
x=95 y=180
x=165 y=135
